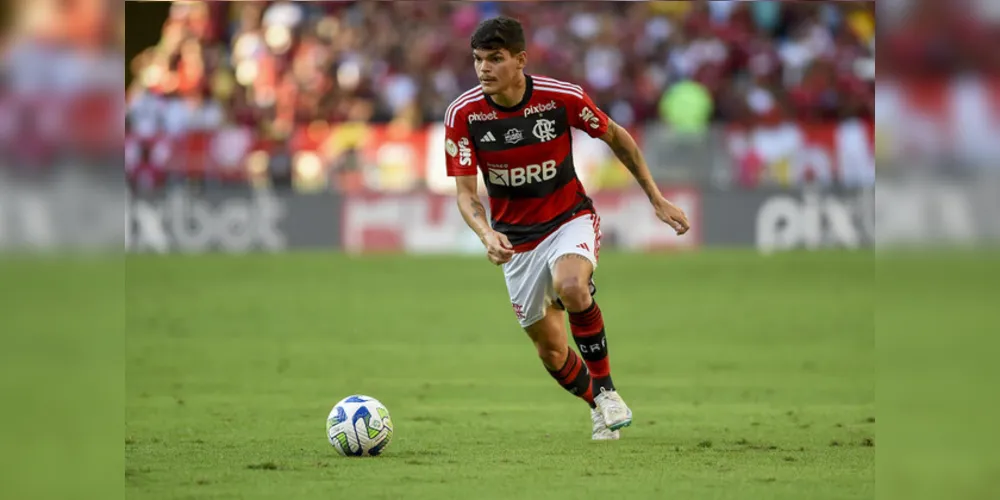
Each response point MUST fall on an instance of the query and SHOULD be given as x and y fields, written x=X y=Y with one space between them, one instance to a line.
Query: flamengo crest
x=544 y=130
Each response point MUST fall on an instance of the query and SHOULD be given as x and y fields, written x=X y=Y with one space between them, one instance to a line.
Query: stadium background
x=337 y=117
x=274 y=127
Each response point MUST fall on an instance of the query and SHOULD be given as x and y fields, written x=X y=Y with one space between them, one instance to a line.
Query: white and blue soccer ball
x=359 y=426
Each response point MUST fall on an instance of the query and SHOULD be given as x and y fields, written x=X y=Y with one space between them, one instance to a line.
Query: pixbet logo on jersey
x=540 y=108
x=519 y=176
x=482 y=117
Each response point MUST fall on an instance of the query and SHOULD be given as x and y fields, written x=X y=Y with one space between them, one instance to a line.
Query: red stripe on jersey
x=555 y=150
x=596 y=219
x=459 y=102
x=560 y=90
x=533 y=210
x=543 y=80
x=466 y=101
x=530 y=211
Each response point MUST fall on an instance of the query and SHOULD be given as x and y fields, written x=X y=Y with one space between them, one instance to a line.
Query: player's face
x=497 y=69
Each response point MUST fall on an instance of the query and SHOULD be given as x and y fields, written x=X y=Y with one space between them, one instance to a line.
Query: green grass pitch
x=750 y=378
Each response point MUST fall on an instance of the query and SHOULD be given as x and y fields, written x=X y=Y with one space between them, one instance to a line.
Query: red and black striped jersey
x=525 y=155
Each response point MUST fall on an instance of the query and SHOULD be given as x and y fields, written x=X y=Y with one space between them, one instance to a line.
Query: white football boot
x=616 y=413
x=600 y=430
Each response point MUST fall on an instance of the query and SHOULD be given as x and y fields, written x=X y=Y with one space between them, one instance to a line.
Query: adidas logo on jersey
x=488 y=137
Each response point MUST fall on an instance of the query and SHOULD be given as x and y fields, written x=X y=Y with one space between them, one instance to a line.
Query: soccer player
x=514 y=128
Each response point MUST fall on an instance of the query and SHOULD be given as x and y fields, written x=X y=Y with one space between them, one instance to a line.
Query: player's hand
x=498 y=248
x=673 y=216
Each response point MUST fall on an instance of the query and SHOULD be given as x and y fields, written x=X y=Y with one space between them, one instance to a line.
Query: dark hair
x=499 y=33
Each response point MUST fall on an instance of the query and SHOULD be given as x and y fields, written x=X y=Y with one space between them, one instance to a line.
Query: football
x=359 y=426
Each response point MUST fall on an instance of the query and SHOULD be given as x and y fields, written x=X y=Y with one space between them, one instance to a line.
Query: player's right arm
x=461 y=163
x=498 y=247
x=469 y=205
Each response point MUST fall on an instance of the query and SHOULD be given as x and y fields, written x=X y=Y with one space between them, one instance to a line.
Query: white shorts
x=529 y=274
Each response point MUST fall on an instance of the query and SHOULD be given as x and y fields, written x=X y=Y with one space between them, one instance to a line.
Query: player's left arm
x=586 y=116
x=628 y=152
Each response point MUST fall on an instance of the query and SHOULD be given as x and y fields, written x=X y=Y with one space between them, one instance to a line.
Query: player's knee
x=552 y=356
x=574 y=293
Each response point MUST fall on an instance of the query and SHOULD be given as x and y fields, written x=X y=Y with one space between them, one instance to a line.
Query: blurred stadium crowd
x=348 y=94
x=61 y=84
x=277 y=64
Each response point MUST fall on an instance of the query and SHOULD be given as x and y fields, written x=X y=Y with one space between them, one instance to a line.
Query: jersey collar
x=528 y=87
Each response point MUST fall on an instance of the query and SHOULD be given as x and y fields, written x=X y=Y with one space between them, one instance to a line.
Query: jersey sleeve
x=460 y=157
x=586 y=116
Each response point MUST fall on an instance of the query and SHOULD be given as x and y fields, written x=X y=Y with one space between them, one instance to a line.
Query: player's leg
x=529 y=282
x=549 y=337
x=572 y=271
x=571 y=279
x=564 y=365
